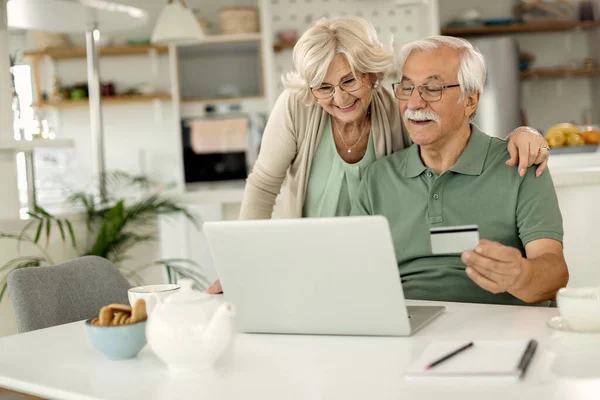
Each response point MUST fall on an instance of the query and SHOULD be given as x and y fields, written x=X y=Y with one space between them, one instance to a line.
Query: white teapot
x=189 y=330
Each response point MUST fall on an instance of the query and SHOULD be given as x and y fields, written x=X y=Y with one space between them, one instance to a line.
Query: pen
x=527 y=356
x=450 y=355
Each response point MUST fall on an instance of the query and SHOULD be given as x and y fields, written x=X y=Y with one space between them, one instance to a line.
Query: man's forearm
x=541 y=278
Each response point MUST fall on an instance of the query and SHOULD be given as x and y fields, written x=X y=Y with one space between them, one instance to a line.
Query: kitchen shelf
x=26 y=145
x=226 y=39
x=530 y=27
x=125 y=50
x=222 y=99
x=558 y=73
x=105 y=100
x=79 y=52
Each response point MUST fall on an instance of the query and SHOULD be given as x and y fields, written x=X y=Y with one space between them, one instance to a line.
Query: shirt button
x=429 y=174
x=436 y=196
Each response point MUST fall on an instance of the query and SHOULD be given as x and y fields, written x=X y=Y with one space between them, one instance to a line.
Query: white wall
x=546 y=102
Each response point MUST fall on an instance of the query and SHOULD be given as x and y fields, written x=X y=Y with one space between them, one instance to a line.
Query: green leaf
x=15 y=262
x=146 y=211
x=33 y=215
x=38 y=232
x=112 y=225
x=14 y=236
x=40 y=211
x=61 y=229
x=116 y=249
x=71 y=232
x=3 y=290
x=169 y=273
x=48 y=229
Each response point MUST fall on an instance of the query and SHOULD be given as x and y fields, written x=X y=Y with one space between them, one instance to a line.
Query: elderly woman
x=332 y=121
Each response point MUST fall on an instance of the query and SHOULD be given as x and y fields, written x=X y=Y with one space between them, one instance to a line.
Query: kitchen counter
x=579 y=169
x=214 y=192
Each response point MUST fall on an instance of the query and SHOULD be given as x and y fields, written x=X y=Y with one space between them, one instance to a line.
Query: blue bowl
x=117 y=342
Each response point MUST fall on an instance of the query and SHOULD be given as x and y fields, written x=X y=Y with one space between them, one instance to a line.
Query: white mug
x=580 y=307
x=161 y=291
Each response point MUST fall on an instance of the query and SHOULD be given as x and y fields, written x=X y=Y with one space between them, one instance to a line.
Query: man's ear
x=471 y=103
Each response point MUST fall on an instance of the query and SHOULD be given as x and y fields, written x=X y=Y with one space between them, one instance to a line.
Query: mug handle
x=151 y=303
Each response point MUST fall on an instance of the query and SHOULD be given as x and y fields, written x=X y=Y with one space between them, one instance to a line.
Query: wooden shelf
x=558 y=73
x=226 y=39
x=531 y=27
x=25 y=145
x=79 y=52
x=280 y=46
x=221 y=99
x=105 y=100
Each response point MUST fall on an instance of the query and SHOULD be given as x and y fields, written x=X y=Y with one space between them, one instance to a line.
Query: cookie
x=139 y=311
x=105 y=316
x=120 y=307
x=116 y=318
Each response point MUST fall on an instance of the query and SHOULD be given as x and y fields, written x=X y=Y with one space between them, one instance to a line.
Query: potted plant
x=113 y=228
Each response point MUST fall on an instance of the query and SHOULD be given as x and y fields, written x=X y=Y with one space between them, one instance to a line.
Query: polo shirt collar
x=414 y=165
x=470 y=162
x=472 y=159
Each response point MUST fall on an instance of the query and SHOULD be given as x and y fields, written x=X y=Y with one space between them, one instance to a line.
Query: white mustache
x=421 y=115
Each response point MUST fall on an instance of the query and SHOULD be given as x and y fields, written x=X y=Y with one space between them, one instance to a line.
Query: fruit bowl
x=570 y=138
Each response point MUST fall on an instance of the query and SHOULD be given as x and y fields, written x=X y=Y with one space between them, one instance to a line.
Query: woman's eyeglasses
x=348 y=85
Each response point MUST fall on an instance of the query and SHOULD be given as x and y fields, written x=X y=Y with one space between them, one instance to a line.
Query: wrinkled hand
x=215 y=288
x=493 y=266
x=527 y=147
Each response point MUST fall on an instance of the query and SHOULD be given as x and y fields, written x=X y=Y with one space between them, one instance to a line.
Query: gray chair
x=64 y=293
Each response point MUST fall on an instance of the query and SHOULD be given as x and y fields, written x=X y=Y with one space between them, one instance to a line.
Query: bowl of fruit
x=571 y=138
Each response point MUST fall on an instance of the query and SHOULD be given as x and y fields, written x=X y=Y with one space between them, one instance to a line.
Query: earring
x=375 y=85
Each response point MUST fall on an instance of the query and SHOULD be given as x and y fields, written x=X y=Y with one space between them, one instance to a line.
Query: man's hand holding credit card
x=454 y=239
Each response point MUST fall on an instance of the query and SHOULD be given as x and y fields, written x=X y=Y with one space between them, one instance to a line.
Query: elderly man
x=457 y=175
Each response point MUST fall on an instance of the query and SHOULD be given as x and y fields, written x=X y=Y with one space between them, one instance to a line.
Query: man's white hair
x=471 y=72
x=355 y=38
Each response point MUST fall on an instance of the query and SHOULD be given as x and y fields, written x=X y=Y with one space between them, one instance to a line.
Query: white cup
x=150 y=291
x=580 y=307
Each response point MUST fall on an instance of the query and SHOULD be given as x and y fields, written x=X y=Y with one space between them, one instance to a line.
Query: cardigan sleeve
x=277 y=152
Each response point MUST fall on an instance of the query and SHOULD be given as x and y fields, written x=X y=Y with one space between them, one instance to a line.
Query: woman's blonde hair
x=355 y=38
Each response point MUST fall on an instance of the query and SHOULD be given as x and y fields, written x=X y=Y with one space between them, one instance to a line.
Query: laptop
x=329 y=276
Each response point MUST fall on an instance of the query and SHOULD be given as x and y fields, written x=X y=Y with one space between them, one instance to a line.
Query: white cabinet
x=223 y=67
x=181 y=239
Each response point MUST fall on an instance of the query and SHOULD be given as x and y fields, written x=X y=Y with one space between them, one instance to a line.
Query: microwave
x=219 y=147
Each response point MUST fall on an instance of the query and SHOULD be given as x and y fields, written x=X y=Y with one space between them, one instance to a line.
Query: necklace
x=343 y=141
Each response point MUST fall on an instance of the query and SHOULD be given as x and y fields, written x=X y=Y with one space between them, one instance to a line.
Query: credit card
x=454 y=239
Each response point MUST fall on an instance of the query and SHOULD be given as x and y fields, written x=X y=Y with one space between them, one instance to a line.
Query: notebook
x=501 y=360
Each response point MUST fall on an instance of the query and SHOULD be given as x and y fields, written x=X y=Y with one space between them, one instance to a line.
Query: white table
x=59 y=363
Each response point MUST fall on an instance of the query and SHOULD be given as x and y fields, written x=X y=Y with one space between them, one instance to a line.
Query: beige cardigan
x=289 y=144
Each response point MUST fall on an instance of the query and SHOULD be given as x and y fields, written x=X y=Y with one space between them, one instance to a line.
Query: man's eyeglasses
x=347 y=85
x=429 y=93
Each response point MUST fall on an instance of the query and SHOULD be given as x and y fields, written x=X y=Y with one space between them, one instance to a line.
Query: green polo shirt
x=479 y=189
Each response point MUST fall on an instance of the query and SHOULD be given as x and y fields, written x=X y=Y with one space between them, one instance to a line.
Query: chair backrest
x=64 y=293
